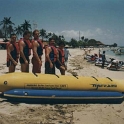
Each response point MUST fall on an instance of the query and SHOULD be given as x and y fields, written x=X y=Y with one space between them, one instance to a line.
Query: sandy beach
x=23 y=113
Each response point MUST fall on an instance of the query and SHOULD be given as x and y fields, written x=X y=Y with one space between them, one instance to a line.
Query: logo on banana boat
x=46 y=86
x=97 y=86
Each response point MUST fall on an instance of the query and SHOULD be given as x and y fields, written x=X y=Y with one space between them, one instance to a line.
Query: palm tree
x=10 y=30
x=57 y=38
x=82 y=38
x=26 y=26
x=18 y=30
x=73 y=43
x=1 y=34
x=49 y=34
x=6 y=23
x=43 y=33
x=61 y=38
x=86 y=41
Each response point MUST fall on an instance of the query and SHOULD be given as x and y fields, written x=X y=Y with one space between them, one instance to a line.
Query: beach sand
x=22 y=113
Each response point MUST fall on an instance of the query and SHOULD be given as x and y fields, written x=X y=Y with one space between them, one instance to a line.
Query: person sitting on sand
x=60 y=63
x=50 y=57
x=12 y=53
x=37 y=47
x=25 y=51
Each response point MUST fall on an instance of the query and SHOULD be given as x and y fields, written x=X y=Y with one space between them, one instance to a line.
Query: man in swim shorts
x=25 y=51
x=50 y=57
x=60 y=63
x=37 y=47
x=12 y=53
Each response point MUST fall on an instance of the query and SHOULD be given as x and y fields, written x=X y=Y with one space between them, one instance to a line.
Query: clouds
x=90 y=34
x=105 y=36
x=75 y=34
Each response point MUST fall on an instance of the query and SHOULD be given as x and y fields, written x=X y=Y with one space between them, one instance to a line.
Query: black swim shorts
x=49 y=70
x=22 y=60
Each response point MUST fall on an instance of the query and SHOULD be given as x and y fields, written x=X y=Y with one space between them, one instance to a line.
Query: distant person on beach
x=12 y=53
x=60 y=63
x=103 y=59
x=25 y=51
x=67 y=53
x=37 y=47
x=85 y=51
x=100 y=55
x=89 y=50
x=50 y=57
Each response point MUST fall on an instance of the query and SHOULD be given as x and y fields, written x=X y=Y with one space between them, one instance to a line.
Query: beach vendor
x=50 y=57
x=37 y=47
x=60 y=63
x=12 y=53
x=25 y=51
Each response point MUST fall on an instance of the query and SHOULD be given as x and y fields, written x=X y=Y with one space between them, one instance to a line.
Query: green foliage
x=74 y=43
x=1 y=34
x=48 y=35
x=26 y=26
x=43 y=33
x=115 y=45
x=7 y=28
x=80 y=43
x=18 y=30
x=92 y=42
x=82 y=38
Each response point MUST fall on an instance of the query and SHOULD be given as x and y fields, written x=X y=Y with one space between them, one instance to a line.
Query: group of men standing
x=21 y=50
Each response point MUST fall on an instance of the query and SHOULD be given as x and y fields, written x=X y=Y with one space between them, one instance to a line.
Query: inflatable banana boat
x=53 y=88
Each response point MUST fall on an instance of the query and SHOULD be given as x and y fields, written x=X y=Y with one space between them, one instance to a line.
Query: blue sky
x=102 y=20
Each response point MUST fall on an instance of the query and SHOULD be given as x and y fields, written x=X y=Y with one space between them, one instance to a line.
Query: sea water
x=110 y=54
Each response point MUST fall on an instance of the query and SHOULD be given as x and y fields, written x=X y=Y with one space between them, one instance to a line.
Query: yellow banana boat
x=20 y=80
x=40 y=88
